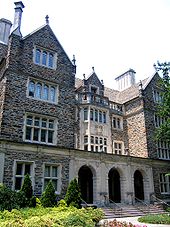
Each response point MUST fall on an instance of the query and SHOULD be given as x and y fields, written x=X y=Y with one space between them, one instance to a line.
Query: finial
x=84 y=76
x=102 y=82
x=140 y=85
x=47 y=19
x=74 y=60
x=93 y=68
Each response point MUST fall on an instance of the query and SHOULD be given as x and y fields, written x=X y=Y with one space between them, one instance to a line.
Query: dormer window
x=45 y=58
x=94 y=89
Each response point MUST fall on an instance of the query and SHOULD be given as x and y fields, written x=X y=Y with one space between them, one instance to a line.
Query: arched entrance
x=138 y=185
x=114 y=186
x=85 y=178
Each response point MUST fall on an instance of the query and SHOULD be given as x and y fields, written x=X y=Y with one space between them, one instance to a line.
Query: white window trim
x=161 y=153
x=121 y=122
x=48 y=52
x=157 y=98
x=41 y=116
x=59 y=175
x=32 y=175
x=166 y=182
x=44 y=83
x=122 y=145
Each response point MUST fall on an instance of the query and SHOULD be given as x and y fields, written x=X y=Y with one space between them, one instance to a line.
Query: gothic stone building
x=56 y=127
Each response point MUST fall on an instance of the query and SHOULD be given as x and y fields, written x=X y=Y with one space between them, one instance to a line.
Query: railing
x=160 y=201
x=84 y=202
x=147 y=210
x=116 y=207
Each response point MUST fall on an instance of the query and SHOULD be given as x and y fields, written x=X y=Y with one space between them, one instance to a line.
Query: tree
x=163 y=132
x=48 y=197
x=27 y=187
x=73 y=194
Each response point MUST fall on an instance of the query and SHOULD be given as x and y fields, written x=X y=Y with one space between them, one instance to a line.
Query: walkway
x=134 y=220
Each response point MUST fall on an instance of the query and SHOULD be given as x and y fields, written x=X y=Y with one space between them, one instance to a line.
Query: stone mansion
x=57 y=127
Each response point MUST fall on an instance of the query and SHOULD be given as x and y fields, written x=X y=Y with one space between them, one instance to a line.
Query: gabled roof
x=121 y=96
x=50 y=30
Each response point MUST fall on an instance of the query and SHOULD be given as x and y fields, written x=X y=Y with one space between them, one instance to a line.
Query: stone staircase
x=132 y=210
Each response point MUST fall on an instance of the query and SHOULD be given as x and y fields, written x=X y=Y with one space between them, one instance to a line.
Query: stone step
x=131 y=211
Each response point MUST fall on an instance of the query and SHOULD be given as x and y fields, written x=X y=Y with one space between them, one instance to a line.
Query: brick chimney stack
x=17 y=18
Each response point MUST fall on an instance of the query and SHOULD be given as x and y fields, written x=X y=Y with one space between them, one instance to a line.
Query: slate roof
x=119 y=96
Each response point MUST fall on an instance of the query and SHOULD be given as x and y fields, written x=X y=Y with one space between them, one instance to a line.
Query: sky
x=110 y=35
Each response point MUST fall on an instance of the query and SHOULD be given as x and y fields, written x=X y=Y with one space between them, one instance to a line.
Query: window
x=157 y=96
x=97 y=116
x=98 y=144
x=163 y=150
x=52 y=173
x=94 y=90
x=164 y=183
x=117 y=123
x=45 y=58
x=40 y=129
x=85 y=114
x=21 y=169
x=118 y=148
x=42 y=91
x=158 y=120
x=104 y=117
x=85 y=139
x=91 y=115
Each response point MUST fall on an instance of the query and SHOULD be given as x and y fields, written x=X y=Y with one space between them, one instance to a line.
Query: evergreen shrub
x=48 y=197
x=8 y=198
x=73 y=194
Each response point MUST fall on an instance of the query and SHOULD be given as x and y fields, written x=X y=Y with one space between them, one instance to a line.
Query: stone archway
x=85 y=179
x=138 y=185
x=114 y=186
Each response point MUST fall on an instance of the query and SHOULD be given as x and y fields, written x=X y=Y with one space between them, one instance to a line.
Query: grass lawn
x=155 y=219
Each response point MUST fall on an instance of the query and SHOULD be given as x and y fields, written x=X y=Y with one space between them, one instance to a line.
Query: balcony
x=90 y=98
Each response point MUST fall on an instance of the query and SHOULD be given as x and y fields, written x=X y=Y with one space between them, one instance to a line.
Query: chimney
x=125 y=80
x=5 y=26
x=17 y=18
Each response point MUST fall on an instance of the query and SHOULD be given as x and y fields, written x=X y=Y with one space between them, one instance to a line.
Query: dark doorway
x=86 y=184
x=114 y=186
x=138 y=185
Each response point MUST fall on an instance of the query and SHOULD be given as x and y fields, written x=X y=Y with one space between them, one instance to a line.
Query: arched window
x=31 y=88
x=37 y=56
x=51 y=60
x=52 y=94
x=44 y=58
x=38 y=90
x=45 y=92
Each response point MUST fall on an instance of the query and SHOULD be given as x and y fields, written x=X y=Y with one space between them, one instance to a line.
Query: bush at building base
x=48 y=198
x=73 y=194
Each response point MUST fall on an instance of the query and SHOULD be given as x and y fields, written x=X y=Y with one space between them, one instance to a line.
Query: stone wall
x=20 y=68
x=2 y=96
x=38 y=155
x=136 y=131
x=150 y=109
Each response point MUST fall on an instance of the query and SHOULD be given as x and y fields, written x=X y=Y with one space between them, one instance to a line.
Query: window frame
x=163 y=150
x=117 y=122
x=121 y=150
x=33 y=128
x=58 y=178
x=164 y=183
x=15 y=175
x=47 y=59
x=42 y=84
